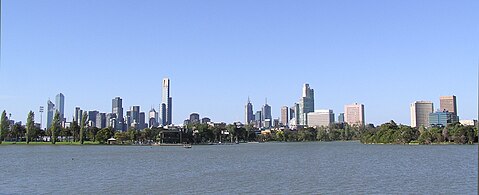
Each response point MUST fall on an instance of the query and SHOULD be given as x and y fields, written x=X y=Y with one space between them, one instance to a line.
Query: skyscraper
x=163 y=114
x=142 y=121
x=50 y=113
x=420 y=111
x=78 y=115
x=101 y=120
x=60 y=105
x=284 y=115
x=153 y=118
x=354 y=114
x=92 y=115
x=249 y=115
x=266 y=111
x=320 y=118
x=341 y=118
x=448 y=103
x=194 y=118
x=167 y=101
x=306 y=104
x=117 y=109
x=135 y=114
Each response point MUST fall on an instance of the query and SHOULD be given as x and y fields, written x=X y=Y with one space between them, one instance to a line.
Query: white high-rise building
x=167 y=103
x=420 y=111
x=306 y=105
x=320 y=118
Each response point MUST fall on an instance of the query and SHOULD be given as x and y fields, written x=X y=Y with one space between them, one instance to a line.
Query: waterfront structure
x=60 y=105
x=194 y=118
x=341 y=118
x=448 y=103
x=320 y=118
x=205 y=120
x=442 y=118
x=306 y=105
x=249 y=115
x=117 y=109
x=420 y=111
x=50 y=113
x=167 y=103
x=284 y=115
x=354 y=114
x=101 y=120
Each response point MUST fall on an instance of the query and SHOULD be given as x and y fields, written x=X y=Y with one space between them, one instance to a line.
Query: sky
x=383 y=54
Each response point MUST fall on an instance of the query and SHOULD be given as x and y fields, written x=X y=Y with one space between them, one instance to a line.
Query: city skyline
x=353 y=52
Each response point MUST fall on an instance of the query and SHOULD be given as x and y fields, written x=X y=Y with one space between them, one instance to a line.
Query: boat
x=187 y=146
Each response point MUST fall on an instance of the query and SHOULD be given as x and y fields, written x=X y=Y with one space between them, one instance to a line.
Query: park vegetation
x=79 y=134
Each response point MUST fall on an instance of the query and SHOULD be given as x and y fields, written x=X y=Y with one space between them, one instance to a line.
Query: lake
x=265 y=168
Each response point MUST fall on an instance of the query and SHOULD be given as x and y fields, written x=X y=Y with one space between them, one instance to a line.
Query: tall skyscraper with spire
x=249 y=115
x=306 y=104
x=267 y=118
x=167 y=105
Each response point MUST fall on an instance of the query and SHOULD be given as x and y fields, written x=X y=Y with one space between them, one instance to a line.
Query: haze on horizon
x=383 y=54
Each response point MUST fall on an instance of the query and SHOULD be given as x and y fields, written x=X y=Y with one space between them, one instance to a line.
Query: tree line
x=387 y=133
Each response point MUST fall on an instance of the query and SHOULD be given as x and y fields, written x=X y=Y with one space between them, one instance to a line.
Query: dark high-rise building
x=258 y=118
x=60 y=105
x=205 y=120
x=266 y=110
x=167 y=101
x=249 y=115
x=135 y=114
x=163 y=114
x=50 y=113
x=142 y=121
x=194 y=118
x=117 y=109
x=101 y=120
x=78 y=115
x=92 y=115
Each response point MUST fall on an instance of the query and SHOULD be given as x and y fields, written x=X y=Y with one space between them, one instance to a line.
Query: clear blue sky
x=384 y=54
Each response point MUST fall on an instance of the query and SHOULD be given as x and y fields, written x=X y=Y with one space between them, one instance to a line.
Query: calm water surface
x=267 y=168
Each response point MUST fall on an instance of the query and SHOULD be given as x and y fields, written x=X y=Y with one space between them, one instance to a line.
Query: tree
x=104 y=134
x=4 y=125
x=55 y=127
x=75 y=130
x=82 y=127
x=15 y=131
x=30 y=126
